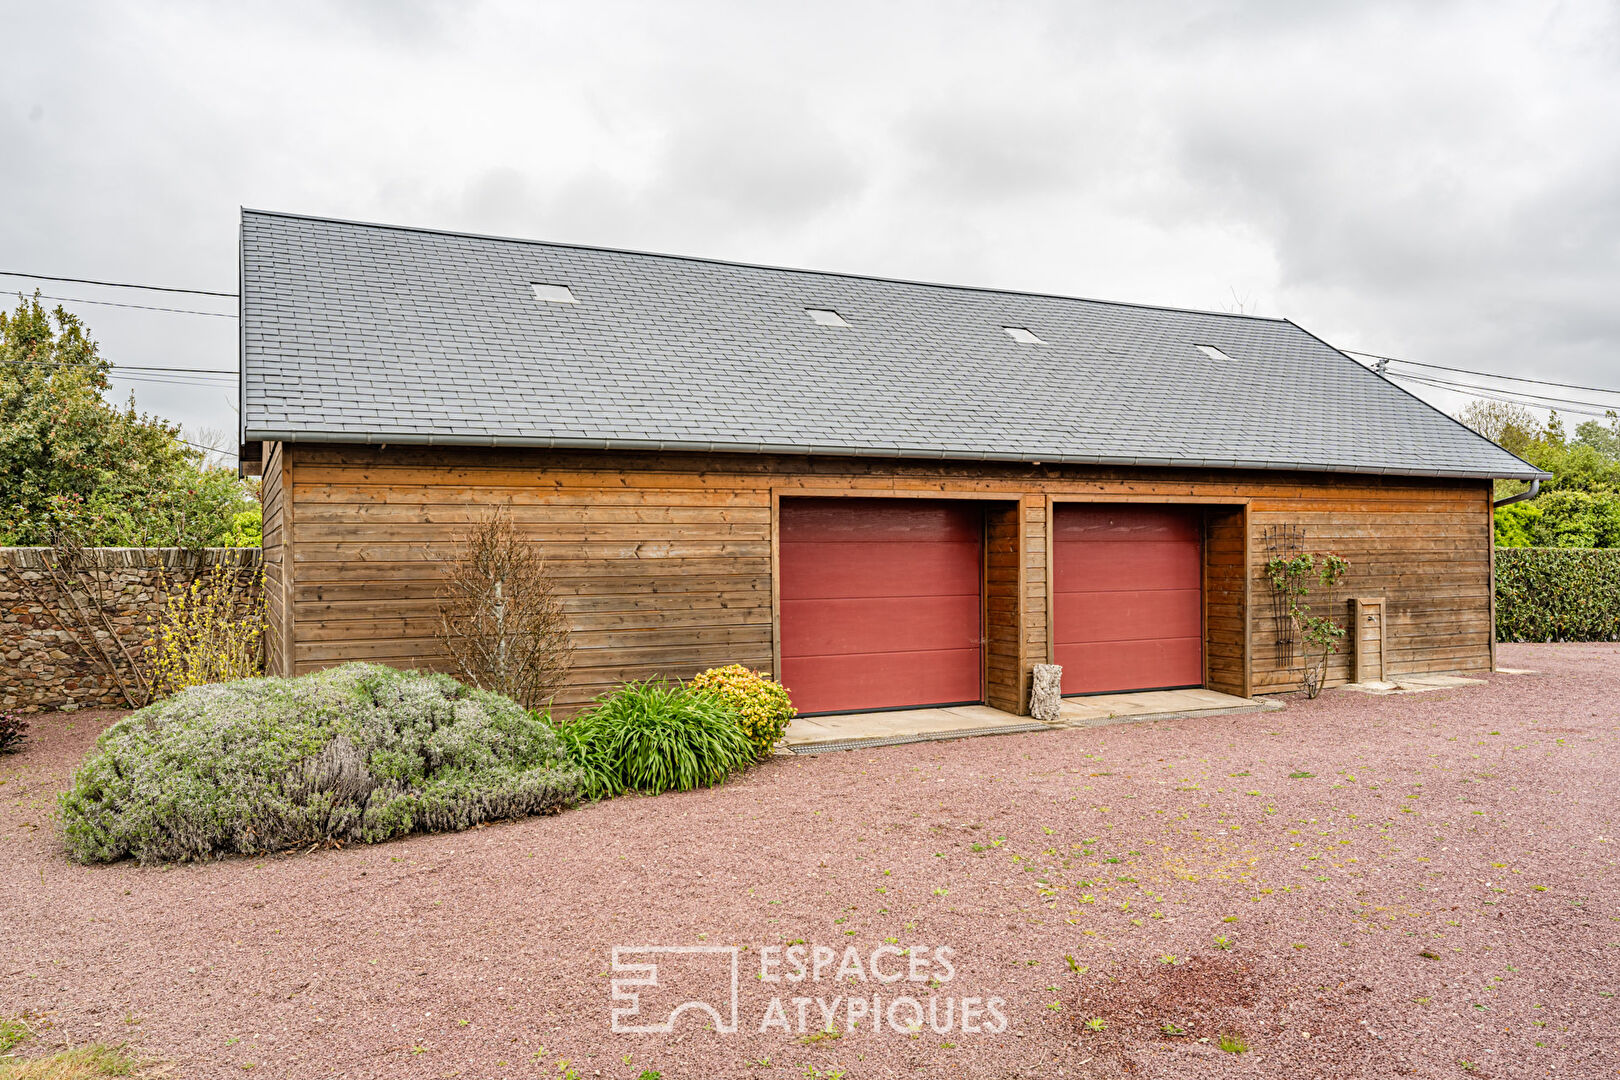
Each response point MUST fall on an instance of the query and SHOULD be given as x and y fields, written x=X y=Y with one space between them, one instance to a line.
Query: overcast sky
x=1434 y=181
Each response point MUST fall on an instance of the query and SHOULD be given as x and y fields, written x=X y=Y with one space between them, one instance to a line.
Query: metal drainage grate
x=932 y=736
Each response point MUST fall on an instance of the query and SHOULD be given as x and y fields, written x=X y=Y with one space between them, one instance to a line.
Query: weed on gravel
x=12 y=1033
x=79 y=1063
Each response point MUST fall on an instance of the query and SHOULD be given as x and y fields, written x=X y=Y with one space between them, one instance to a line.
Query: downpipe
x=1524 y=496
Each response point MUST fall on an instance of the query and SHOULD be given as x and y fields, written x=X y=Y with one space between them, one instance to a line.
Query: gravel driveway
x=1413 y=885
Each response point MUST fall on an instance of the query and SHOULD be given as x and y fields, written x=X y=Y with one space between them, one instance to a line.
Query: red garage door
x=1127 y=597
x=880 y=603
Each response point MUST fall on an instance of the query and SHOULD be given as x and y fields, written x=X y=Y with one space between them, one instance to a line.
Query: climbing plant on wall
x=1318 y=637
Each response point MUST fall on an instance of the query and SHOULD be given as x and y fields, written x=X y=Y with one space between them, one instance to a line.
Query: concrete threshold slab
x=899 y=723
x=1093 y=710
x=834 y=745
x=1413 y=684
x=820 y=734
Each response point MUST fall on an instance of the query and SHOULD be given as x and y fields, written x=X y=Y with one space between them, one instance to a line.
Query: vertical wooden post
x=776 y=584
x=1248 y=605
x=1203 y=594
x=1051 y=585
x=1021 y=605
x=1490 y=531
x=289 y=569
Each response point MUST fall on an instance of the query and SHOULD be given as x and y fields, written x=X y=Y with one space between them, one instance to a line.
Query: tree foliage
x=70 y=461
x=1512 y=427
x=1580 y=505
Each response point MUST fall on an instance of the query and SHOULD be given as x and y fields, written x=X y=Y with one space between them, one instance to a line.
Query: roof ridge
x=710 y=260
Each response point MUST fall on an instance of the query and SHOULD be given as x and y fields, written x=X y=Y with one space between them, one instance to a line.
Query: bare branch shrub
x=77 y=599
x=500 y=617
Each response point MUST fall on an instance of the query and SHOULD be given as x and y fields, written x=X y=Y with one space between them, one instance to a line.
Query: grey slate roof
x=369 y=333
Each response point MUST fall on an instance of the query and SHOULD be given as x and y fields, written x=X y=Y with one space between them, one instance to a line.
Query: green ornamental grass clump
x=360 y=752
x=656 y=736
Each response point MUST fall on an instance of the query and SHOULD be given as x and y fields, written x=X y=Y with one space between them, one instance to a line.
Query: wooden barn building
x=889 y=493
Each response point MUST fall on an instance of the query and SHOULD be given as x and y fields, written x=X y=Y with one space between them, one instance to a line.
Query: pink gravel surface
x=1413 y=885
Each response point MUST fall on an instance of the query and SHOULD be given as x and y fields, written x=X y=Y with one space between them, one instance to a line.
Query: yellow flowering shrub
x=210 y=631
x=761 y=704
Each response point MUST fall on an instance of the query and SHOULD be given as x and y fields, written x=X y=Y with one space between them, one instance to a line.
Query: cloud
x=741 y=162
x=974 y=152
x=1429 y=180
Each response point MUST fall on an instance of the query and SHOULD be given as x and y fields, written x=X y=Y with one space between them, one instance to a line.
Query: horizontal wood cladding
x=1432 y=566
x=664 y=560
x=277 y=583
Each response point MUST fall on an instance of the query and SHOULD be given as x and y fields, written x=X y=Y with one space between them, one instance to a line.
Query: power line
x=1509 y=394
x=189 y=370
x=181 y=377
x=180 y=381
x=114 y=284
x=139 y=307
x=166 y=376
x=1482 y=392
x=210 y=449
x=1486 y=374
x=130 y=367
x=1542 y=400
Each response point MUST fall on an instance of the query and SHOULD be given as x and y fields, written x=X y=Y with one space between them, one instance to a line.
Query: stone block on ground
x=1046 y=692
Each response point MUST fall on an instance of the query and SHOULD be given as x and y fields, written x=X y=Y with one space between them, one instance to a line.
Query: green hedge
x=1558 y=594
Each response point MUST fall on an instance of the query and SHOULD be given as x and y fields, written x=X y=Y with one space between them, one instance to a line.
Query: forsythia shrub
x=354 y=753
x=762 y=704
x=1558 y=594
x=209 y=631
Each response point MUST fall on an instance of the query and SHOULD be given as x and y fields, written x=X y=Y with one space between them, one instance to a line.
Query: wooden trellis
x=1283 y=542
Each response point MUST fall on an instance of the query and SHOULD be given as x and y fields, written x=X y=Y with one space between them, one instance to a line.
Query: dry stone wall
x=46 y=658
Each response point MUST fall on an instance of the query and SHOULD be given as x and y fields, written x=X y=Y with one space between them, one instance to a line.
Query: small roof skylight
x=825 y=316
x=553 y=294
x=1023 y=335
x=1214 y=354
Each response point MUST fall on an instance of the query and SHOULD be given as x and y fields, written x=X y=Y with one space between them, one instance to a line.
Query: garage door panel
x=893 y=680
x=1127 y=597
x=1118 y=666
x=880 y=602
x=882 y=520
x=1115 y=616
x=1084 y=566
x=825 y=570
x=856 y=625
x=1124 y=522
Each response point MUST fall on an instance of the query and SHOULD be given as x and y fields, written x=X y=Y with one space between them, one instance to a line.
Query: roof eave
x=550 y=442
